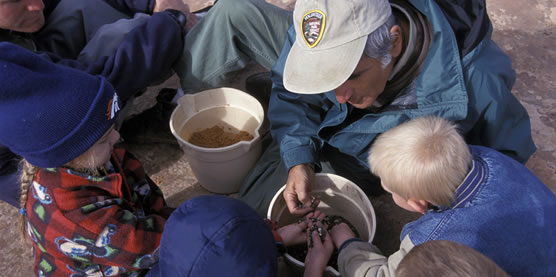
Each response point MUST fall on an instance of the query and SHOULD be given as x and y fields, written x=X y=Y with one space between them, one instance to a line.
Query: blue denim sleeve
x=294 y=118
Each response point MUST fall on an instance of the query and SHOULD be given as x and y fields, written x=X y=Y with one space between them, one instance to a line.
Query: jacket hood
x=215 y=236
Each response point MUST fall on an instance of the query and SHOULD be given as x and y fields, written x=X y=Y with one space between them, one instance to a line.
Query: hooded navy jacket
x=215 y=236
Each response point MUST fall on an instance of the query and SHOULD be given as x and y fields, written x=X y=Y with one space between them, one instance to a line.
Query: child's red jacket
x=91 y=225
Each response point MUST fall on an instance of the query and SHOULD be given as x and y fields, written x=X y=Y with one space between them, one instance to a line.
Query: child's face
x=99 y=154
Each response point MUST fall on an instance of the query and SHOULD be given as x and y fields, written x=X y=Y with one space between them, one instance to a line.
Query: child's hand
x=319 y=254
x=294 y=233
x=316 y=214
x=341 y=233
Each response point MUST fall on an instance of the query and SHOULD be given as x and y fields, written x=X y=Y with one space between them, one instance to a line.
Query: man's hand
x=179 y=5
x=298 y=190
x=340 y=233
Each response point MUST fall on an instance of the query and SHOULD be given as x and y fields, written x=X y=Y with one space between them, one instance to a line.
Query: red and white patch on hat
x=113 y=107
x=312 y=27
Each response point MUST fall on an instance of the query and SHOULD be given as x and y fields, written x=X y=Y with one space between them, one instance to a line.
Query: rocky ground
x=527 y=35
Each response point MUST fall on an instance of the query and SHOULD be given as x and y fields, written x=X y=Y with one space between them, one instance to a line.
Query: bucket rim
x=328 y=268
x=243 y=143
x=359 y=190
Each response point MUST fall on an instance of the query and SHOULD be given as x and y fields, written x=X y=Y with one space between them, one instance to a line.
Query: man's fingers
x=304 y=197
x=315 y=201
x=294 y=205
x=291 y=198
x=301 y=211
x=291 y=203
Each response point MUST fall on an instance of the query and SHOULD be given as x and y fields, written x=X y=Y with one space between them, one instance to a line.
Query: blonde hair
x=84 y=163
x=447 y=258
x=27 y=177
x=425 y=158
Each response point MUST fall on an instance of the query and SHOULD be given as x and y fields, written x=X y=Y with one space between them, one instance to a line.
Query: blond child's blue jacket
x=501 y=210
x=473 y=90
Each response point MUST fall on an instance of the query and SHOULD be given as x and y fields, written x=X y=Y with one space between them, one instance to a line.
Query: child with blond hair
x=468 y=194
x=88 y=207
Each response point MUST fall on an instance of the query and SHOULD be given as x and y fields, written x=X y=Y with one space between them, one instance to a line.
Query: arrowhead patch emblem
x=312 y=27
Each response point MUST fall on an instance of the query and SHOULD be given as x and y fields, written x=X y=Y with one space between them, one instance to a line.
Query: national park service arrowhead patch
x=312 y=26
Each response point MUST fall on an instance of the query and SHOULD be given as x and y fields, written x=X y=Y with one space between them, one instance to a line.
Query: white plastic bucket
x=219 y=170
x=339 y=196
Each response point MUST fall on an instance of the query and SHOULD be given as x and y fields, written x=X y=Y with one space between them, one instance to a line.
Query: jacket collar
x=112 y=182
x=471 y=184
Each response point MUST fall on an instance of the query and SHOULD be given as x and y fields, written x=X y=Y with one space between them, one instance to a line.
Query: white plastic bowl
x=339 y=196
x=219 y=170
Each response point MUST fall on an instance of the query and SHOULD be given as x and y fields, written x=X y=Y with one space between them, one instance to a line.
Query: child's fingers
x=316 y=213
x=328 y=241
x=321 y=215
x=309 y=239
x=303 y=225
x=317 y=243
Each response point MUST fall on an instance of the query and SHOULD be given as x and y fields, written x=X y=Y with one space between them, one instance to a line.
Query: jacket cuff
x=178 y=15
x=299 y=155
x=346 y=243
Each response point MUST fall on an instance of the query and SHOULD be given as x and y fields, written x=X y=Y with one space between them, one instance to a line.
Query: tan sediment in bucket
x=339 y=196
x=222 y=169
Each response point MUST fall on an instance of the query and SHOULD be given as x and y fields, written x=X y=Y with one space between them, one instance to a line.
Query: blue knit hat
x=216 y=236
x=49 y=113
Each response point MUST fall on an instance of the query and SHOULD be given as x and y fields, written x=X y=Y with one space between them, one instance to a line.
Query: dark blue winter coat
x=215 y=236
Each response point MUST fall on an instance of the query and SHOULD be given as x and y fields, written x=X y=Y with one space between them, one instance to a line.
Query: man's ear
x=420 y=206
x=397 y=42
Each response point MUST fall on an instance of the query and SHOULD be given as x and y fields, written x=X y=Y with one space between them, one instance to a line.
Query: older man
x=350 y=70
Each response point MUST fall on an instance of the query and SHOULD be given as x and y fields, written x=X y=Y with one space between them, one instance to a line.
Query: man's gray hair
x=379 y=43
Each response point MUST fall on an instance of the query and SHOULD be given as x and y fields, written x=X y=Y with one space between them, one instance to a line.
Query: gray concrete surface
x=526 y=31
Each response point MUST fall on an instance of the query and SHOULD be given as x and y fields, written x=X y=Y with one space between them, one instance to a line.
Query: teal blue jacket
x=473 y=90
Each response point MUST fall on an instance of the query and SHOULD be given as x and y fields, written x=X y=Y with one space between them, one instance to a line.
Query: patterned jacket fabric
x=95 y=226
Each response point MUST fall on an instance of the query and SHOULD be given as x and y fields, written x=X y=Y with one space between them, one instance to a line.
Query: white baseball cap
x=330 y=39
